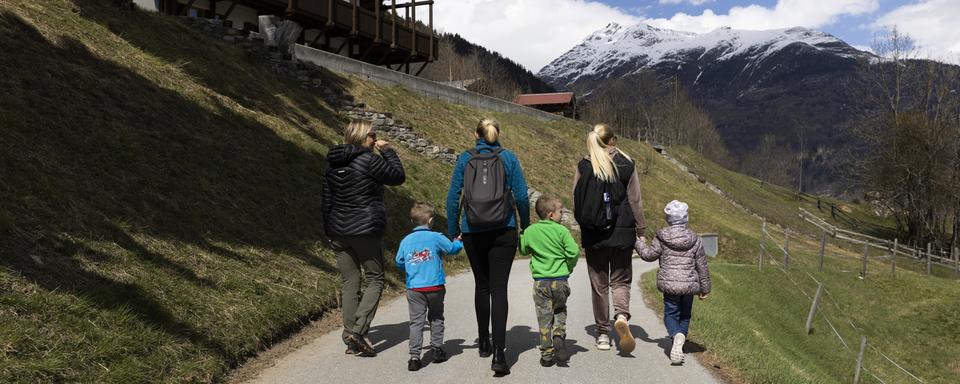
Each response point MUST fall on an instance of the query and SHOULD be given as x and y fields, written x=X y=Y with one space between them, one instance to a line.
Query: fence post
x=813 y=308
x=786 y=249
x=823 y=248
x=863 y=268
x=763 y=230
x=928 y=259
x=863 y=346
x=893 y=258
x=956 y=259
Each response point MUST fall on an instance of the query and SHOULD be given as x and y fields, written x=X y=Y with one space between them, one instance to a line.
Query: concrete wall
x=422 y=86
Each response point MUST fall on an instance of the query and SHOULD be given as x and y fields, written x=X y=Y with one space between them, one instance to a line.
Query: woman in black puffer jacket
x=354 y=219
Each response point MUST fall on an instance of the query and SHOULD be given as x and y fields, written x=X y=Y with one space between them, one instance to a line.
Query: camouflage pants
x=550 y=298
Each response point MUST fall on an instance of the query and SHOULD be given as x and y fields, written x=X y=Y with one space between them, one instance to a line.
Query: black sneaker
x=360 y=346
x=439 y=355
x=499 y=362
x=560 y=349
x=547 y=361
x=484 y=346
x=414 y=364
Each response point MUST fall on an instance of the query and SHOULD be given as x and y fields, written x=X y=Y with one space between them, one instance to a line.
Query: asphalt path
x=323 y=360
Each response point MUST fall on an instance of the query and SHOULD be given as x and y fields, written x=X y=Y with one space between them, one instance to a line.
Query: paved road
x=323 y=360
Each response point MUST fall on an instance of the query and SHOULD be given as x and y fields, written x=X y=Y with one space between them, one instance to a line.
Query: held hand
x=703 y=296
x=643 y=239
x=381 y=145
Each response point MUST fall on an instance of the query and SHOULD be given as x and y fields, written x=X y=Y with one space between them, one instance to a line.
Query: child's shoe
x=547 y=361
x=439 y=355
x=560 y=352
x=603 y=342
x=414 y=364
x=676 y=353
x=627 y=343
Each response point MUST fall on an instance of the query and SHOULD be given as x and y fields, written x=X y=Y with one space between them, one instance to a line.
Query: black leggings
x=491 y=256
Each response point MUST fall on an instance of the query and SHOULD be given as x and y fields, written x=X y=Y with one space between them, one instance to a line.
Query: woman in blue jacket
x=490 y=247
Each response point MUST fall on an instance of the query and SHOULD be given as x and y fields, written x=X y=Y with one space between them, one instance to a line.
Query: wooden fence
x=891 y=249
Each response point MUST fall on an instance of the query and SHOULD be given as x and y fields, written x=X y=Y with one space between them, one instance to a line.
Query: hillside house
x=560 y=103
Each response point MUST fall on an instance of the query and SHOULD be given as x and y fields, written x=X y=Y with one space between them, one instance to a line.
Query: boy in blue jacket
x=420 y=257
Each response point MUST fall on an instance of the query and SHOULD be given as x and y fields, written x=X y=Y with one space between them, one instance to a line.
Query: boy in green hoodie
x=554 y=253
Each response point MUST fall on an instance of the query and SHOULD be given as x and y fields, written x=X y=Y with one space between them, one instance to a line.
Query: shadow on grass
x=228 y=70
x=94 y=152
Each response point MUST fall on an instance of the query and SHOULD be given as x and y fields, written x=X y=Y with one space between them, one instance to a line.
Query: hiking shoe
x=414 y=364
x=627 y=343
x=360 y=345
x=499 y=362
x=676 y=353
x=484 y=347
x=560 y=351
x=350 y=350
x=603 y=342
x=547 y=361
x=439 y=355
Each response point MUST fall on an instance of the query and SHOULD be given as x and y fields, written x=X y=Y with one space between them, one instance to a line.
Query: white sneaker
x=627 y=343
x=603 y=342
x=676 y=354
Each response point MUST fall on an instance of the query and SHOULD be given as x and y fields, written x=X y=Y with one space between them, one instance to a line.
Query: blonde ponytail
x=489 y=130
x=597 y=142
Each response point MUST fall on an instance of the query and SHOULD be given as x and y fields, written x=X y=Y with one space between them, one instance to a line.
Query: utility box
x=711 y=243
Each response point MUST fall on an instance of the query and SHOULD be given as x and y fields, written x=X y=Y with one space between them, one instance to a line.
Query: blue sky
x=534 y=32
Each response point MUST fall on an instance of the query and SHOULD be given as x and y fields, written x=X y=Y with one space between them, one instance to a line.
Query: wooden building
x=561 y=103
x=381 y=32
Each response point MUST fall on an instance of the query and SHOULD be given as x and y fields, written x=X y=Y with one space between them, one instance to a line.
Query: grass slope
x=159 y=206
x=159 y=203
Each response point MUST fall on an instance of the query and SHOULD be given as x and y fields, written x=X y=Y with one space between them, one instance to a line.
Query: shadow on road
x=386 y=336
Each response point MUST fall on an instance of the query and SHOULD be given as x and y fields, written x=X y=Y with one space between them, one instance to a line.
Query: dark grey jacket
x=353 y=190
x=683 y=265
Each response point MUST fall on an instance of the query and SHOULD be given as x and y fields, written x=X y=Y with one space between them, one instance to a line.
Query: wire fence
x=832 y=311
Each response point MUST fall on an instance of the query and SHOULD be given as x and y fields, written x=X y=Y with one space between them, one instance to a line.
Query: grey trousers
x=356 y=253
x=424 y=307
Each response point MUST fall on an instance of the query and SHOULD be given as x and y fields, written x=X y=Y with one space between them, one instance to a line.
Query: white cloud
x=693 y=2
x=931 y=23
x=531 y=32
x=534 y=32
x=786 y=13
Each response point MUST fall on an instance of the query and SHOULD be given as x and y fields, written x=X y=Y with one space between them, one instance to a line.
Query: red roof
x=545 y=98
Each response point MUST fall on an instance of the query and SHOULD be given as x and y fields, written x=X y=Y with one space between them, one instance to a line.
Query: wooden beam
x=386 y=53
x=353 y=19
x=185 y=10
x=376 y=35
x=393 y=41
x=412 y=4
x=213 y=9
x=230 y=10
x=330 y=15
x=421 y=68
x=413 y=30
x=431 y=58
x=339 y=49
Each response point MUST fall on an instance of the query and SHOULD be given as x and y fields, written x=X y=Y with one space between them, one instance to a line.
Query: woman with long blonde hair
x=488 y=187
x=608 y=207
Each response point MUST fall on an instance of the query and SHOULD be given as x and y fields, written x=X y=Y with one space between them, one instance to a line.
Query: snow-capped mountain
x=752 y=83
x=618 y=50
